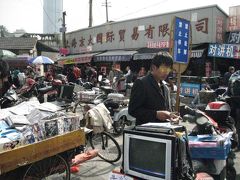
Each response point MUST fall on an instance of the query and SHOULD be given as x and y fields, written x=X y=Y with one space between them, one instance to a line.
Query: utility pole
x=90 y=13
x=64 y=30
x=106 y=11
x=106 y=4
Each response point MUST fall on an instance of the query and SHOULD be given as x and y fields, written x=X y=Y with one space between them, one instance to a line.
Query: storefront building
x=136 y=41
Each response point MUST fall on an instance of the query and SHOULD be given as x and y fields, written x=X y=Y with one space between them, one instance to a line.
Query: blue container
x=219 y=152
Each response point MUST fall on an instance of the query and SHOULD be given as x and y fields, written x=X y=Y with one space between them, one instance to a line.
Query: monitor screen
x=65 y=92
x=153 y=153
x=148 y=155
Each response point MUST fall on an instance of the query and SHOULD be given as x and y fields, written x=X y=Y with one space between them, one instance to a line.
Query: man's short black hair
x=161 y=58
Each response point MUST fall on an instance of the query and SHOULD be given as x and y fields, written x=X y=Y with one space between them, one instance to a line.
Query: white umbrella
x=41 y=60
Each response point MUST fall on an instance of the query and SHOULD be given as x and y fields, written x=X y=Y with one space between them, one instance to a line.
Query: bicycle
x=50 y=168
x=107 y=147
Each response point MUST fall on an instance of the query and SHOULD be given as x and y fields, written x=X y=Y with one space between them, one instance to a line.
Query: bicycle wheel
x=55 y=167
x=108 y=148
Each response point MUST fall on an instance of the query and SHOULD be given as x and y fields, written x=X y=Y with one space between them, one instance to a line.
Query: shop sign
x=81 y=60
x=181 y=40
x=158 y=44
x=189 y=89
x=68 y=61
x=219 y=29
x=234 y=18
x=202 y=25
x=234 y=38
x=224 y=51
x=151 y=32
x=63 y=51
x=197 y=53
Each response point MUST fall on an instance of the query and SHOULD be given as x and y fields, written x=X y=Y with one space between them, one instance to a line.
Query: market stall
x=38 y=141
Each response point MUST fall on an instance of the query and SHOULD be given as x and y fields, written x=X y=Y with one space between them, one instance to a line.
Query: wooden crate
x=23 y=155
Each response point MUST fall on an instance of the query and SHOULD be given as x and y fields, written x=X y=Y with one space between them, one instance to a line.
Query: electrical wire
x=163 y=1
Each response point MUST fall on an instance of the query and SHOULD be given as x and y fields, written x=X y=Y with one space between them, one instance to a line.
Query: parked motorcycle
x=122 y=119
x=9 y=98
x=50 y=92
x=29 y=89
x=215 y=120
x=86 y=85
x=118 y=107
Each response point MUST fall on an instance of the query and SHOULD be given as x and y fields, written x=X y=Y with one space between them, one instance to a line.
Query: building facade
x=52 y=16
x=208 y=26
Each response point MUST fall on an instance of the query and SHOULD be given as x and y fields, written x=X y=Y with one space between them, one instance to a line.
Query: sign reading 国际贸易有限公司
x=181 y=40
x=224 y=50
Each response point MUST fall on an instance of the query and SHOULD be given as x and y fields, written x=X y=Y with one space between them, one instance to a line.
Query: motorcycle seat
x=45 y=89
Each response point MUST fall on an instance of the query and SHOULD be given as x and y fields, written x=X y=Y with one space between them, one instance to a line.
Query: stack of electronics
x=150 y=151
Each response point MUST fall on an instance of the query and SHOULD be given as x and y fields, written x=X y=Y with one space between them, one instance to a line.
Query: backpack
x=234 y=84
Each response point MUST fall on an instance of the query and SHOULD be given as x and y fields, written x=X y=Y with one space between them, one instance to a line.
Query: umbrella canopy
x=6 y=54
x=41 y=60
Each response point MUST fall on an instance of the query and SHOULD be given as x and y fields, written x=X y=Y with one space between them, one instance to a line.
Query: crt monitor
x=149 y=155
x=65 y=93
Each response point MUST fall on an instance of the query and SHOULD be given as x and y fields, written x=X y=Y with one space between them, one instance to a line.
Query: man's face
x=161 y=73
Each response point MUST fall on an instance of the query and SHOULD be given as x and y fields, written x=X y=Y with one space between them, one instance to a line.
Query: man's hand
x=163 y=115
x=166 y=115
x=175 y=117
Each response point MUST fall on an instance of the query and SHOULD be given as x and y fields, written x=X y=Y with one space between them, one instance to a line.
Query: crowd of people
x=118 y=79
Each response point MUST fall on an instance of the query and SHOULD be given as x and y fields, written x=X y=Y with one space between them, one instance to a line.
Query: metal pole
x=90 y=13
x=107 y=10
x=64 y=30
x=177 y=109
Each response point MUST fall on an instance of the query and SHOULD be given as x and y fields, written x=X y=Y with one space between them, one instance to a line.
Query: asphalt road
x=97 y=169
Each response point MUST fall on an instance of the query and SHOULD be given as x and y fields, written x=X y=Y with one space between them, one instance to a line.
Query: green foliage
x=3 y=31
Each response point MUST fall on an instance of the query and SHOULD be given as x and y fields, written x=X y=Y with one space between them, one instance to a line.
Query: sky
x=28 y=14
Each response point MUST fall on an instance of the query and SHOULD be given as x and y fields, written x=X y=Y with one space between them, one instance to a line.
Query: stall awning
x=142 y=56
x=76 y=59
x=111 y=56
x=197 y=53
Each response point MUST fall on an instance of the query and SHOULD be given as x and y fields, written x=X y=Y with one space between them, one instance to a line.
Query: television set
x=65 y=93
x=149 y=155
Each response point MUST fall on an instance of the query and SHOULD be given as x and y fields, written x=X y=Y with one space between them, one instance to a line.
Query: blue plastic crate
x=219 y=152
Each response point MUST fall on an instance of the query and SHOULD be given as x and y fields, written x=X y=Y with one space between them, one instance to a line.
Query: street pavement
x=97 y=169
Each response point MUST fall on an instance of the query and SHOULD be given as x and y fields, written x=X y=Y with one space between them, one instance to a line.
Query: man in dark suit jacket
x=150 y=96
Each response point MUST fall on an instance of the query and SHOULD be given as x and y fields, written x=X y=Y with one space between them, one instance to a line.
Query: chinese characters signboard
x=202 y=25
x=234 y=18
x=219 y=30
x=234 y=38
x=189 y=89
x=181 y=40
x=224 y=51
x=151 y=32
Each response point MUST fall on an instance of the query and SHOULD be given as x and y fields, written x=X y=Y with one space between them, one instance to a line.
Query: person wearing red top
x=76 y=71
